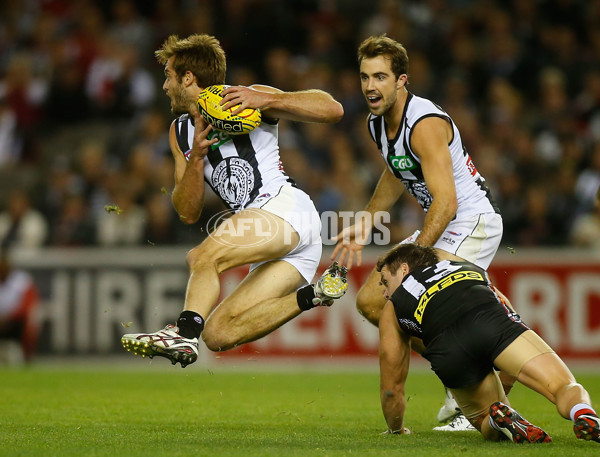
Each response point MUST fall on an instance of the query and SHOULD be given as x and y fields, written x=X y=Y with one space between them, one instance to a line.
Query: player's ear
x=188 y=78
x=404 y=268
x=401 y=81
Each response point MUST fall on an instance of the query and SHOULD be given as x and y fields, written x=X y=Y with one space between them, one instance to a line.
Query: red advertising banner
x=91 y=297
x=558 y=299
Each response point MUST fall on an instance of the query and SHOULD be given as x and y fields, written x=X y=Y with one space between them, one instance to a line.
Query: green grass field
x=172 y=412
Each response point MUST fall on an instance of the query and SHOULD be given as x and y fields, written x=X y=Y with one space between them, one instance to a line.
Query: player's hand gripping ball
x=225 y=120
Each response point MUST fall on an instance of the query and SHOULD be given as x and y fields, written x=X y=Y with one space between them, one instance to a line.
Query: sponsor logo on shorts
x=453 y=233
x=448 y=240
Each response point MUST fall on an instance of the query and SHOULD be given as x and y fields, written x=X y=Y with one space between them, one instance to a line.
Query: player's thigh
x=535 y=364
x=249 y=236
x=475 y=401
x=527 y=346
x=271 y=280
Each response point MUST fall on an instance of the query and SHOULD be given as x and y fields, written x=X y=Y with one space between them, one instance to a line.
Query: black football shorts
x=464 y=353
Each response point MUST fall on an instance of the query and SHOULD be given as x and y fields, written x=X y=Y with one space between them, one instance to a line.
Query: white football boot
x=449 y=410
x=459 y=424
x=331 y=285
x=164 y=343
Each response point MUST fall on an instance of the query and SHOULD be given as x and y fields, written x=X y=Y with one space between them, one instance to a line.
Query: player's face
x=390 y=281
x=379 y=84
x=175 y=90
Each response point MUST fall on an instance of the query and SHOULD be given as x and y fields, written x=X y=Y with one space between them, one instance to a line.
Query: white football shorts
x=475 y=239
x=295 y=206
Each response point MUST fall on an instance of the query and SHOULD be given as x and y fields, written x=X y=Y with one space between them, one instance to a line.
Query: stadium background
x=84 y=123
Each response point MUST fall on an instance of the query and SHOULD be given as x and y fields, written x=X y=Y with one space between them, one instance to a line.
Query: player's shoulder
x=181 y=125
x=179 y=133
x=419 y=107
x=183 y=119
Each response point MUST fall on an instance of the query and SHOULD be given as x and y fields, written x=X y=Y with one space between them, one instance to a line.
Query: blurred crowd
x=84 y=152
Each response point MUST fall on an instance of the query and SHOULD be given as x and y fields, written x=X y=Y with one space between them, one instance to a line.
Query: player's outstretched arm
x=311 y=105
x=394 y=360
x=351 y=240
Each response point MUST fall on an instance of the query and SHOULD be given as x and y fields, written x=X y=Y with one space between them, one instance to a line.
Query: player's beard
x=179 y=100
x=387 y=104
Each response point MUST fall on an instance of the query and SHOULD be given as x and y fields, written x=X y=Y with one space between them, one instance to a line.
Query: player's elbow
x=337 y=112
x=187 y=214
x=189 y=219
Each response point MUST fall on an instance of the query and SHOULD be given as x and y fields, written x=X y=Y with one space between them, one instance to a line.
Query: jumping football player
x=274 y=227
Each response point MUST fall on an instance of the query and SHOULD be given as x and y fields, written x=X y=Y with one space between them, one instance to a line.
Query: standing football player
x=424 y=154
x=274 y=227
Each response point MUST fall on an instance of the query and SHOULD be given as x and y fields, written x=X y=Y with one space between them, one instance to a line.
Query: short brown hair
x=414 y=255
x=201 y=54
x=382 y=45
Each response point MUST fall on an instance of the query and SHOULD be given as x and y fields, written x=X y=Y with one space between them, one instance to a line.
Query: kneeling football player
x=467 y=332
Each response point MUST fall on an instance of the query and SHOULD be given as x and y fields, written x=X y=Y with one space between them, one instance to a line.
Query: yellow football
x=225 y=120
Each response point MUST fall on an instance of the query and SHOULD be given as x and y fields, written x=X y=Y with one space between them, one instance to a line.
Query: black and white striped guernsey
x=239 y=168
x=472 y=194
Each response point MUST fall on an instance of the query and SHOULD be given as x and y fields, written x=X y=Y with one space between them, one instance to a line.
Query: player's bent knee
x=362 y=301
x=368 y=306
x=202 y=256
x=216 y=339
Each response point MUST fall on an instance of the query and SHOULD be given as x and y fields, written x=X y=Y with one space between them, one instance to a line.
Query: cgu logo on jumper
x=223 y=138
x=402 y=163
